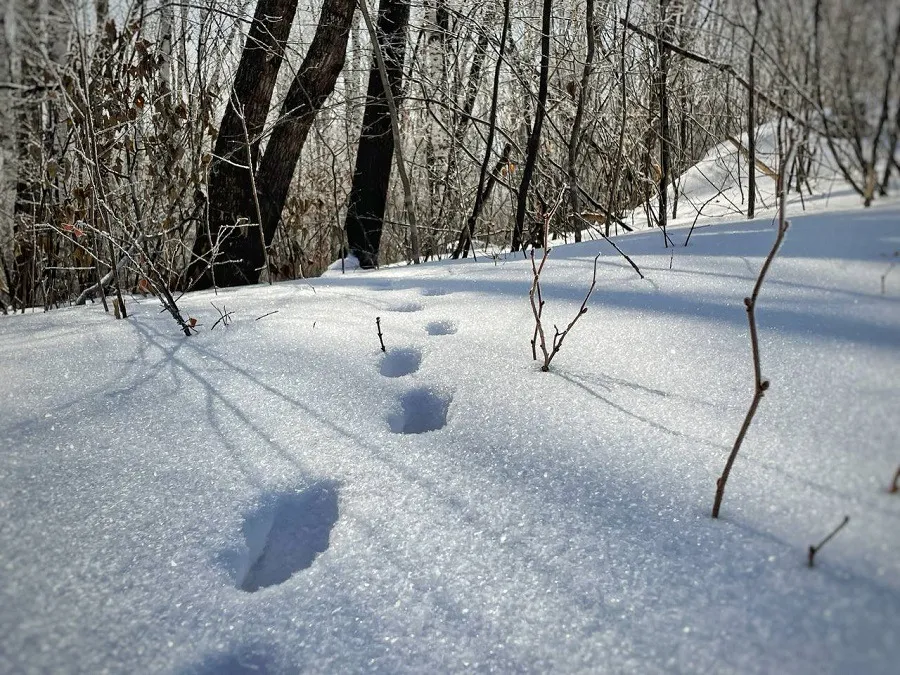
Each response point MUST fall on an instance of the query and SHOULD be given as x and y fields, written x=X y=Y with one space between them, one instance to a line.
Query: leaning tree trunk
x=371 y=176
x=575 y=136
x=217 y=261
x=534 y=139
x=313 y=83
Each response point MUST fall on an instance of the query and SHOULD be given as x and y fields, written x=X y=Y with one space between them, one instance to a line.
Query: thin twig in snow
x=760 y=385
x=380 y=336
x=815 y=549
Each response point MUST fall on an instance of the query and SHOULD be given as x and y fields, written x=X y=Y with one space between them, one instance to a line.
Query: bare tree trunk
x=665 y=149
x=437 y=143
x=166 y=30
x=882 y=119
x=313 y=83
x=229 y=181
x=751 y=117
x=613 y=200
x=9 y=73
x=534 y=138
x=371 y=176
x=468 y=231
x=892 y=152
x=575 y=137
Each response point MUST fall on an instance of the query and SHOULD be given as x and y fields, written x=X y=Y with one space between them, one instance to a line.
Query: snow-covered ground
x=278 y=495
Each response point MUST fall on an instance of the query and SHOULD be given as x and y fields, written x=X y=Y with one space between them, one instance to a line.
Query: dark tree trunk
x=751 y=118
x=371 y=176
x=230 y=192
x=313 y=83
x=534 y=139
x=665 y=150
x=575 y=137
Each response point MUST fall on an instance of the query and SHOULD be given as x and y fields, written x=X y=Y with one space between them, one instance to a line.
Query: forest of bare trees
x=155 y=146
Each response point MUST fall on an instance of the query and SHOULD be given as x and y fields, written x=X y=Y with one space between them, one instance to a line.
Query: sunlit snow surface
x=278 y=495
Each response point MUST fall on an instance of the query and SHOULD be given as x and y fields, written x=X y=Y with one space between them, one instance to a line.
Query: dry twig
x=224 y=316
x=380 y=336
x=760 y=384
x=815 y=549
x=537 y=300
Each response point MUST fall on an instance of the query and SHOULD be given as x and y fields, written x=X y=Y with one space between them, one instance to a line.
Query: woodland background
x=158 y=146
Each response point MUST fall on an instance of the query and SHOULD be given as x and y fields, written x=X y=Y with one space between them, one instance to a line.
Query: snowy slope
x=247 y=500
x=715 y=189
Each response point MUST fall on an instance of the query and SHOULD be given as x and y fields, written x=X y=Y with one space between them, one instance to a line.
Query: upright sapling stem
x=537 y=300
x=815 y=549
x=760 y=385
x=380 y=336
x=895 y=484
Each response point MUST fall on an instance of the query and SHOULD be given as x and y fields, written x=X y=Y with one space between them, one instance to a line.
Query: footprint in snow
x=420 y=410
x=240 y=661
x=283 y=535
x=441 y=328
x=400 y=362
x=431 y=292
x=411 y=306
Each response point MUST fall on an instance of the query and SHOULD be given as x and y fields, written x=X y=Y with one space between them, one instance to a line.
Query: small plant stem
x=815 y=549
x=115 y=270
x=380 y=336
x=537 y=301
x=760 y=385
x=895 y=484
x=224 y=316
x=100 y=285
x=537 y=306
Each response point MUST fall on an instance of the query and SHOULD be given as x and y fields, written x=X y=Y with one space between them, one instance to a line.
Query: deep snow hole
x=285 y=534
x=400 y=362
x=421 y=410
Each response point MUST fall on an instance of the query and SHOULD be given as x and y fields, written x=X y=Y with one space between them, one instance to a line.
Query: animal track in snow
x=284 y=535
x=421 y=409
x=411 y=306
x=401 y=361
x=441 y=328
x=429 y=292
